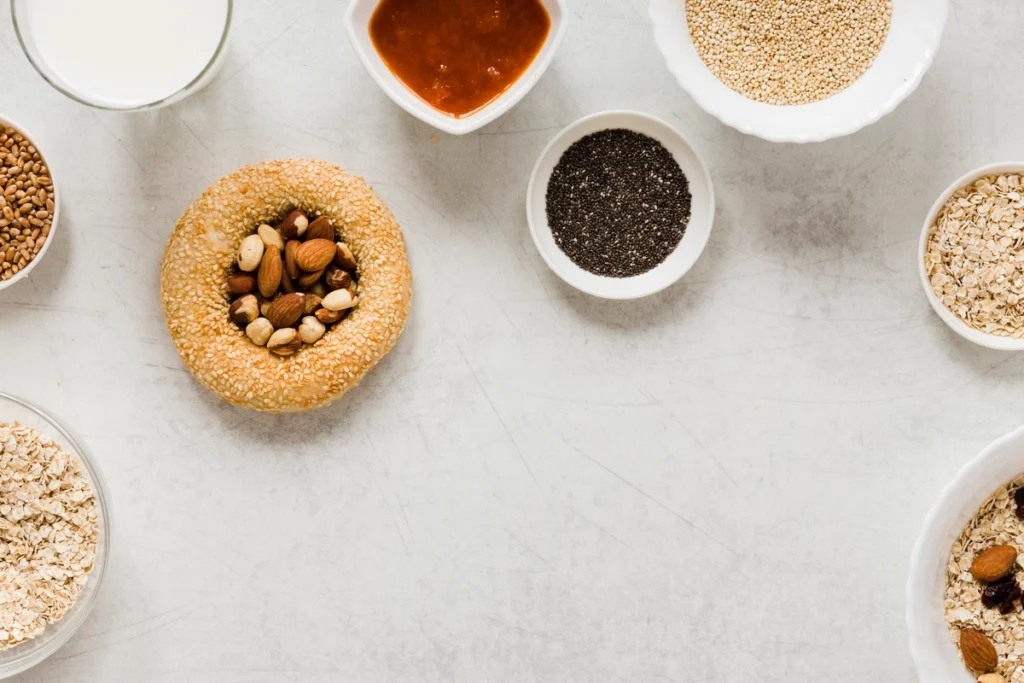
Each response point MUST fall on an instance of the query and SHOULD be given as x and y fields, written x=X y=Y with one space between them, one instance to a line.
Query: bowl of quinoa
x=798 y=70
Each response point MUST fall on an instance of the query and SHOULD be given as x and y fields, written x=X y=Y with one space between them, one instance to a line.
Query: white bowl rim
x=569 y=130
x=723 y=113
x=918 y=560
x=23 y=273
x=978 y=337
x=497 y=108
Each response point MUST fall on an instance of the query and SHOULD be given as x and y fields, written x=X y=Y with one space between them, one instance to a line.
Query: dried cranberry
x=1018 y=497
x=1001 y=591
x=1007 y=606
x=1020 y=512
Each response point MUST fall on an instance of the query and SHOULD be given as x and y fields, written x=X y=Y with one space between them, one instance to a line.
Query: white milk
x=126 y=53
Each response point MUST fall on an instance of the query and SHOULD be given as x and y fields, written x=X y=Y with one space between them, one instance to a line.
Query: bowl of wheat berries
x=29 y=204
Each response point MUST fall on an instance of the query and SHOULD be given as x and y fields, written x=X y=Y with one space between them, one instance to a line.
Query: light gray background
x=720 y=483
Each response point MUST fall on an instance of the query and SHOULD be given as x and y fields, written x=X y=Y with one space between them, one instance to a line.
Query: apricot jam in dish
x=459 y=55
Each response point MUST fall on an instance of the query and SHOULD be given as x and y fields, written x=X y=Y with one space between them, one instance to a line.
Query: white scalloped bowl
x=909 y=49
x=934 y=652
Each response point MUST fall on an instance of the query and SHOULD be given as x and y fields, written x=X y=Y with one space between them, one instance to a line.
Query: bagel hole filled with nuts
x=291 y=282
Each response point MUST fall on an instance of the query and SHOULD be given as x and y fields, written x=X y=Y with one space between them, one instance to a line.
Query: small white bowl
x=990 y=341
x=4 y=123
x=357 y=24
x=913 y=40
x=933 y=651
x=698 y=230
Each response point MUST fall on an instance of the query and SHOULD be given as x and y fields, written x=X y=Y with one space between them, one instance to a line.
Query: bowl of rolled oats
x=965 y=608
x=29 y=204
x=54 y=531
x=798 y=70
x=971 y=260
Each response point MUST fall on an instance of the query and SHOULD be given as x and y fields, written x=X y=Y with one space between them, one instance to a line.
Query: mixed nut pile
x=291 y=283
x=983 y=598
x=26 y=202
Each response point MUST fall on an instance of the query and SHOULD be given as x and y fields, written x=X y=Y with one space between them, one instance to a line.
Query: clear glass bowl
x=19 y=14
x=32 y=652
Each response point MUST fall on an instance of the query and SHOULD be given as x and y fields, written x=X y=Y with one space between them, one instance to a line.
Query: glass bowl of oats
x=971 y=259
x=979 y=513
x=54 y=531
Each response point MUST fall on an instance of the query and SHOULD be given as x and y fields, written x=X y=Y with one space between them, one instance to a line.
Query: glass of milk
x=125 y=55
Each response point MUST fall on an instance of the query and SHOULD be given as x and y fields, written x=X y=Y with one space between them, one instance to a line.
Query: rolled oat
x=49 y=528
x=975 y=255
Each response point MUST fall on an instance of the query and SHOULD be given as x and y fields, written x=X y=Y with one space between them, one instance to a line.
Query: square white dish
x=357 y=25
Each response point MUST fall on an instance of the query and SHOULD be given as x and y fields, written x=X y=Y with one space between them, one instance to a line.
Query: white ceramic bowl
x=933 y=651
x=956 y=324
x=698 y=230
x=28 y=654
x=357 y=24
x=4 y=122
x=911 y=45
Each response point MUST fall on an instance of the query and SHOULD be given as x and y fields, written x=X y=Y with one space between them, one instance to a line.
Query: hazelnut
x=259 y=331
x=294 y=225
x=241 y=283
x=310 y=302
x=329 y=317
x=311 y=330
x=284 y=342
x=336 y=278
x=244 y=310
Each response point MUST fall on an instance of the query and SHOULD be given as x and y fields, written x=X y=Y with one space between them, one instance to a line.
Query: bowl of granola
x=971 y=259
x=54 y=534
x=964 y=612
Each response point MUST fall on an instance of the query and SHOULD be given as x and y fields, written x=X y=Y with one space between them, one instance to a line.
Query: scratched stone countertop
x=719 y=483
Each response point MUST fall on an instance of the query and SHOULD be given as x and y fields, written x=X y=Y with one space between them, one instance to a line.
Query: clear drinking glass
x=20 y=14
x=28 y=654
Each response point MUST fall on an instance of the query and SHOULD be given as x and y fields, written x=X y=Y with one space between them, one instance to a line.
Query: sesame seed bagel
x=199 y=257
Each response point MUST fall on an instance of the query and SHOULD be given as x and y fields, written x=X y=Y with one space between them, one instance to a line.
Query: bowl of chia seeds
x=620 y=205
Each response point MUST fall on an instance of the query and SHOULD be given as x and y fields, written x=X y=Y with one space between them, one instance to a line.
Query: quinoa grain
x=788 y=52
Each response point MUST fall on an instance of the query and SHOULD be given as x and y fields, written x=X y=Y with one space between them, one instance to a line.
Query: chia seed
x=618 y=203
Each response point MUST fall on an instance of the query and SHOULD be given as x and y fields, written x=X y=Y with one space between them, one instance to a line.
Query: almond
x=287 y=283
x=344 y=257
x=241 y=283
x=978 y=651
x=314 y=255
x=994 y=563
x=270 y=272
x=286 y=310
x=307 y=279
x=289 y=259
x=320 y=229
x=294 y=225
